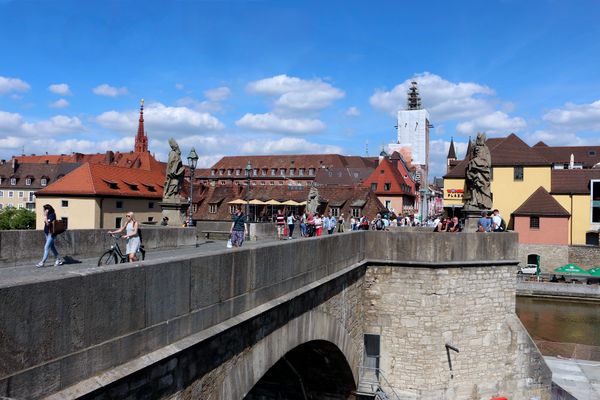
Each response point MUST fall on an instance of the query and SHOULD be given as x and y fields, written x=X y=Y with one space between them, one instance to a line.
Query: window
x=44 y=181
x=518 y=173
x=64 y=203
x=1 y=193
x=213 y=172
x=262 y=183
x=595 y=198
x=151 y=204
x=65 y=220
x=592 y=153
x=212 y=208
x=534 y=222
x=21 y=195
x=232 y=209
x=355 y=211
x=282 y=171
x=532 y=259
x=301 y=172
x=229 y=172
x=372 y=351
x=263 y=172
x=20 y=205
x=119 y=204
x=255 y=172
x=271 y=183
x=118 y=221
x=11 y=194
x=150 y=219
x=311 y=171
x=374 y=186
x=195 y=208
x=381 y=171
x=387 y=186
x=31 y=196
x=273 y=171
x=221 y=171
x=238 y=172
x=388 y=204
x=28 y=181
x=335 y=211
x=13 y=181
x=292 y=171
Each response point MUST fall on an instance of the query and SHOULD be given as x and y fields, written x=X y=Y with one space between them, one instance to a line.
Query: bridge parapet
x=58 y=335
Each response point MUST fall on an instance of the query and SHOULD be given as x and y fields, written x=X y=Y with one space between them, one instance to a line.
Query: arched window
x=532 y=259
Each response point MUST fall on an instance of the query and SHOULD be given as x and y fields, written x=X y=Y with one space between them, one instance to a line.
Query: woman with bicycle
x=132 y=236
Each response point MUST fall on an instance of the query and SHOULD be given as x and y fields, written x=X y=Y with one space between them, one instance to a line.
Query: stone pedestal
x=471 y=218
x=176 y=211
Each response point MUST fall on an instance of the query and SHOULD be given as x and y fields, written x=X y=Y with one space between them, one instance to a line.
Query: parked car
x=530 y=269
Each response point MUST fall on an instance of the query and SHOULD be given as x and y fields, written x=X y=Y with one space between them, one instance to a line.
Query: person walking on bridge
x=132 y=236
x=49 y=218
x=238 y=228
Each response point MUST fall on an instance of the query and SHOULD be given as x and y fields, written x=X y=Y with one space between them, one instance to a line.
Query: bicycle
x=116 y=256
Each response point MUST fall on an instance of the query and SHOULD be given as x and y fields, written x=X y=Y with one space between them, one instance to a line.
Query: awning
x=273 y=202
x=290 y=203
x=256 y=202
x=358 y=203
x=237 y=201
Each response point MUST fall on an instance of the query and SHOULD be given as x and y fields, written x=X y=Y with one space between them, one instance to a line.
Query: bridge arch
x=312 y=331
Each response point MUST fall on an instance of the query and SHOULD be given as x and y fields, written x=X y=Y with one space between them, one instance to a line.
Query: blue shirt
x=486 y=223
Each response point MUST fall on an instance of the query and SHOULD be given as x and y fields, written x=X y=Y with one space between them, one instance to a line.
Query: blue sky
x=265 y=77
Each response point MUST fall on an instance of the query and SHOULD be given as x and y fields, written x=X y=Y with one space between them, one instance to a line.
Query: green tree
x=12 y=218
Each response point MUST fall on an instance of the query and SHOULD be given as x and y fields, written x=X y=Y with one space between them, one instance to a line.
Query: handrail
x=379 y=373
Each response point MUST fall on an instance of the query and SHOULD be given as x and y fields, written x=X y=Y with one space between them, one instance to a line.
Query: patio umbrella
x=257 y=202
x=237 y=201
x=571 y=269
x=594 y=271
x=273 y=202
x=290 y=203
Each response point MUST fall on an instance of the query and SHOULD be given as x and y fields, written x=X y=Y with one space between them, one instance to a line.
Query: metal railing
x=373 y=378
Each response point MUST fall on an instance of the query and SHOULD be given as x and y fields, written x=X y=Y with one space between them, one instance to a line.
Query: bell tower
x=141 y=140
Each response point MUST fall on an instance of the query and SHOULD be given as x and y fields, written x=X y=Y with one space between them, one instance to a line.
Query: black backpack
x=503 y=225
x=379 y=224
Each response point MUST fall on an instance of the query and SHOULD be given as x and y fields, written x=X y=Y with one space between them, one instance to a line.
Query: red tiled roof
x=586 y=155
x=99 y=180
x=387 y=173
x=296 y=161
x=143 y=160
x=543 y=204
x=575 y=181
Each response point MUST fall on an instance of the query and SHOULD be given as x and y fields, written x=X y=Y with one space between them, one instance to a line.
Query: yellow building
x=518 y=170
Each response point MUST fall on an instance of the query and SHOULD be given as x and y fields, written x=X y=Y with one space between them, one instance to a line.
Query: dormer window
x=44 y=181
x=213 y=172
x=311 y=171
x=13 y=181
x=238 y=171
x=221 y=171
x=282 y=171
x=229 y=172
x=255 y=172
x=301 y=172
x=273 y=171
x=263 y=172
x=28 y=181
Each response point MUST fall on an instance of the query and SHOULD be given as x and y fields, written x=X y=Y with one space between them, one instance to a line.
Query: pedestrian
x=341 y=223
x=303 y=225
x=484 y=224
x=132 y=236
x=353 y=223
x=378 y=223
x=497 y=222
x=454 y=225
x=310 y=225
x=49 y=218
x=332 y=224
x=318 y=225
x=280 y=222
x=165 y=221
x=237 y=232
x=290 y=224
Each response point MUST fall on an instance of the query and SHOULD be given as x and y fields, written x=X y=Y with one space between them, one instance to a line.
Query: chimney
x=14 y=164
x=109 y=157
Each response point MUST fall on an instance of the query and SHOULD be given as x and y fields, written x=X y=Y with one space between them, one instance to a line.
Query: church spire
x=414 y=100
x=451 y=150
x=141 y=140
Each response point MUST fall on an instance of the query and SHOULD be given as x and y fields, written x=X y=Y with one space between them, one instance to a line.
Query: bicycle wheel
x=108 y=258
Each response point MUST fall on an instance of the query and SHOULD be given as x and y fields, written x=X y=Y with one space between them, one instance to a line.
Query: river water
x=565 y=321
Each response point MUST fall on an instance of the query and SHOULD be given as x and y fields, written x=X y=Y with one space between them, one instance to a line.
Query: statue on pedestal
x=174 y=174
x=478 y=195
x=312 y=203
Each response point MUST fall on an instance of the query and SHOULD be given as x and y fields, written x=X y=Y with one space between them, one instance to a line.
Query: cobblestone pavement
x=27 y=272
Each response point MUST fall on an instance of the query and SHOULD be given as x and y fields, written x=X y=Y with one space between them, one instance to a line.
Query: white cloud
x=161 y=119
x=557 y=138
x=60 y=89
x=287 y=145
x=12 y=124
x=202 y=106
x=272 y=123
x=107 y=90
x=179 y=86
x=353 y=112
x=438 y=153
x=218 y=94
x=443 y=99
x=576 y=116
x=494 y=123
x=60 y=103
x=8 y=85
x=295 y=94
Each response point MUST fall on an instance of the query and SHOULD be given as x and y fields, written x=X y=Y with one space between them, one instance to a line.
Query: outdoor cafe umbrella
x=237 y=201
x=594 y=271
x=272 y=203
x=571 y=269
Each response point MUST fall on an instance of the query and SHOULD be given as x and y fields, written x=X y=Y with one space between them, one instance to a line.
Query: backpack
x=139 y=232
x=503 y=225
x=379 y=224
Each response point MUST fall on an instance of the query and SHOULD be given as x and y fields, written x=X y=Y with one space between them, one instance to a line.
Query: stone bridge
x=310 y=318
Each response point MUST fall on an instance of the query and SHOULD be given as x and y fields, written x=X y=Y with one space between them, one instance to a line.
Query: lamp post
x=423 y=204
x=192 y=161
x=248 y=174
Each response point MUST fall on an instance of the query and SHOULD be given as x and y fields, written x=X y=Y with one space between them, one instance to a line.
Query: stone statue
x=312 y=203
x=174 y=173
x=478 y=195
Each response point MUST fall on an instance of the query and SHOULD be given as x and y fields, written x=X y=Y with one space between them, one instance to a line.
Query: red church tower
x=141 y=140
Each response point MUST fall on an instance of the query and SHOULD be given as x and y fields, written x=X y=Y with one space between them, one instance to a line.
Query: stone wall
x=258 y=231
x=551 y=256
x=417 y=311
x=24 y=245
x=585 y=256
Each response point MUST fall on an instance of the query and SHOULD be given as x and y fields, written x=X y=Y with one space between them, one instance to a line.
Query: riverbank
x=571 y=291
